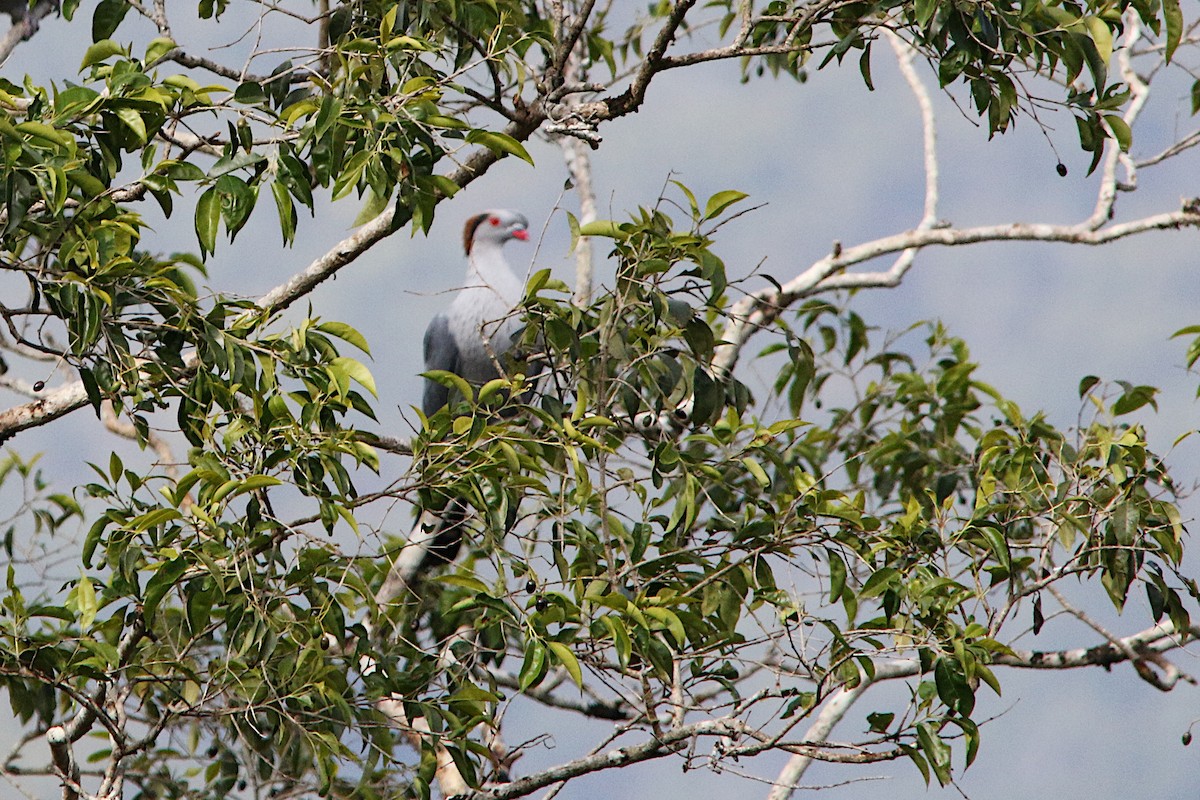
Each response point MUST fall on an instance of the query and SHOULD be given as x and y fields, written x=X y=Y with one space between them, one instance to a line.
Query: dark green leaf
x=1173 y=16
x=208 y=218
x=107 y=18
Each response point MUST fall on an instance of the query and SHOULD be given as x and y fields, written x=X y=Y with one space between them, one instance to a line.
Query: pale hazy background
x=832 y=161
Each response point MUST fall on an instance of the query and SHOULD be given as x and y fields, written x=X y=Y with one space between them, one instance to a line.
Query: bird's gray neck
x=487 y=269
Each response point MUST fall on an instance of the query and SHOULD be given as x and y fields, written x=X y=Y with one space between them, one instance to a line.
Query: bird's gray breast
x=483 y=325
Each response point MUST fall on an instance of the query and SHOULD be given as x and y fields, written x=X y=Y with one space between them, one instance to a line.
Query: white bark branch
x=417 y=731
x=1149 y=644
x=754 y=311
x=24 y=26
x=579 y=165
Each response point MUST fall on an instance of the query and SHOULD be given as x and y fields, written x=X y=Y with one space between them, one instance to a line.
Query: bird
x=27 y=14
x=472 y=339
x=478 y=328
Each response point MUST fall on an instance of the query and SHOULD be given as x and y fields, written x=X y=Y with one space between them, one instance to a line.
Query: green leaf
x=237 y=201
x=499 y=143
x=372 y=208
x=464 y=581
x=971 y=734
x=85 y=602
x=100 y=51
x=669 y=618
x=92 y=540
x=357 y=372
x=452 y=381
x=924 y=10
x=131 y=119
x=919 y=760
x=620 y=636
x=952 y=686
x=1087 y=384
x=537 y=281
x=534 y=665
x=880 y=581
x=158 y=48
x=164 y=579
x=152 y=519
x=250 y=93
x=286 y=209
x=1121 y=131
x=603 y=227
x=1101 y=36
x=721 y=201
x=570 y=663
x=441 y=121
x=864 y=67
x=937 y=751
x=1173 y=16
x=252 y=483
x=837 y=575
x=879 y=721
x=107 y=18
x=1134 y=398
x=346 y=333
x=208 y=219
x=997 y=544
x=48 y=134
x=755 y=469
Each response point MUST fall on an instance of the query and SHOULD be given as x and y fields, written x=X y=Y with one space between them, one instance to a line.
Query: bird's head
x=495 y=227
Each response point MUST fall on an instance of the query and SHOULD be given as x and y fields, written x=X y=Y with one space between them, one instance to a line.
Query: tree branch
x=1149 y=643
x=24 y=26
x=672 y=741
x=831 y=713
x=579 y=165
x=761 y=308
x=73 y=396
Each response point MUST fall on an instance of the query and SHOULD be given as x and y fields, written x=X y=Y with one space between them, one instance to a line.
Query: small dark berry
x=1187 y=738
x=37 y=387
x=241 y=786
x=542 y=604
x=530 y=586
x=1062 y=169
x=212 y=751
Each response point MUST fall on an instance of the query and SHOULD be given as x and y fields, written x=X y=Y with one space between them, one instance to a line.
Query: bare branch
x=756 y=310
x=672 y=741
x=579 y=165
x=1145 y=644
x=631 y=99
x=57 y=403
x=830 y=715
x=24 y=26
x=1139 y=92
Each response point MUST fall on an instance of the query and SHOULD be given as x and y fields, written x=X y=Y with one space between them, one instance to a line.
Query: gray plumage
x=21 y=12
x=477 y=330
x=469 y=339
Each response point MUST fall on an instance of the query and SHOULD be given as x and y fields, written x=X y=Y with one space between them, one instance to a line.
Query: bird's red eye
x=493 y=221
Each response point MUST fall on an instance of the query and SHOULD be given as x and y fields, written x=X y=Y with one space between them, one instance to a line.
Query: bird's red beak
x=521 y=234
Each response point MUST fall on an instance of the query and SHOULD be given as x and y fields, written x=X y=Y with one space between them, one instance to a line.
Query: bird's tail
x=435 y=540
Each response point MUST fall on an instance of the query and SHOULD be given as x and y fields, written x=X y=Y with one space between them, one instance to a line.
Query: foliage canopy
x=655 y=540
